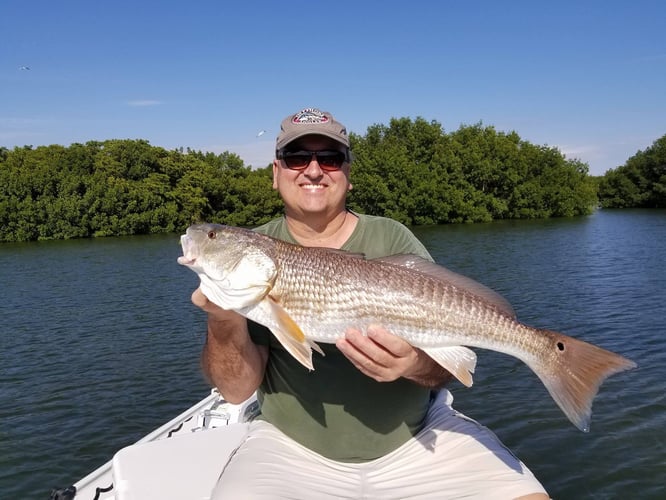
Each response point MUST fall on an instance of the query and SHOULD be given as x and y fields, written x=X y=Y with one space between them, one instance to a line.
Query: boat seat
x=181 y=467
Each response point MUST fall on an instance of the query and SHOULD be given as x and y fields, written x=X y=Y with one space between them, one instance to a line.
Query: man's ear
x=276 y=166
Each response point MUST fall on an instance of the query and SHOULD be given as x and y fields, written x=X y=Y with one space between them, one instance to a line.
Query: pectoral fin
x=290 y=335
x=459 y=360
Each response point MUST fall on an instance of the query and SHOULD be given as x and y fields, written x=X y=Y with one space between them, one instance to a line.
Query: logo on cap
x=309 y=116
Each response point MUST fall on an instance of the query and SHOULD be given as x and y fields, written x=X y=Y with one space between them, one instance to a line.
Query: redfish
x=307 y=295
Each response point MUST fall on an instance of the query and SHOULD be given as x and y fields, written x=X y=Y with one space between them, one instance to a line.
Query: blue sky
x=588 y=77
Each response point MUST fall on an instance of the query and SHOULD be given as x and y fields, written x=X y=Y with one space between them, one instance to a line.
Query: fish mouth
x=189 y=256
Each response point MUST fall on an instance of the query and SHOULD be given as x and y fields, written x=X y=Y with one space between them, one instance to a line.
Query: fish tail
x=576 y=370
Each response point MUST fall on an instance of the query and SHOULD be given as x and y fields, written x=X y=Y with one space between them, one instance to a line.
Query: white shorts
x=452 y=457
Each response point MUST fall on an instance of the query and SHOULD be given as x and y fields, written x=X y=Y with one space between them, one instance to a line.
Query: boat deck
x=181 y=459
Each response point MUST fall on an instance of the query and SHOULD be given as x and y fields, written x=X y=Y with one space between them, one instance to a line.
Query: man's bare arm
x=230 y=360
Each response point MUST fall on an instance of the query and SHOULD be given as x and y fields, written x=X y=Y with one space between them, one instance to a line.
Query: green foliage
x=410 y=170
x=639 y=183
x=122 y=187
x=414 y=172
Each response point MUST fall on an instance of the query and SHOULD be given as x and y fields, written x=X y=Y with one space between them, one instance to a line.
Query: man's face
x=315 y=188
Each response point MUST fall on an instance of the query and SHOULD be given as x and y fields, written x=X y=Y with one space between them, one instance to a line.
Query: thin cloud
x=651 y=58
x=22 y=130
x=578 y=151
x=141 y=103
x=256 y=154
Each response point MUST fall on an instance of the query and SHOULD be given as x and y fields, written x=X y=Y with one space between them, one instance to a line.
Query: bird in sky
x=24 y=68
x=261 y=132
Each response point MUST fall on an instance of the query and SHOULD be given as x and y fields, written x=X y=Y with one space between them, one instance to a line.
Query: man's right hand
x=201 y=301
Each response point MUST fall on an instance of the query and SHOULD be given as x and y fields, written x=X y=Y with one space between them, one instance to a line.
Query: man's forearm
x=231 y=361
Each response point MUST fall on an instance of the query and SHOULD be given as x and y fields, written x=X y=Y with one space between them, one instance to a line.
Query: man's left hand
x=386 y=357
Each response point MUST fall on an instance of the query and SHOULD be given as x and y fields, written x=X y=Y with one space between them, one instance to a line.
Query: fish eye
x=212 y=235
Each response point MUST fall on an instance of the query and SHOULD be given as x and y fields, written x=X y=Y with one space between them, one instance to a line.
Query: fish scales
x=308 y=295
x=421 y=309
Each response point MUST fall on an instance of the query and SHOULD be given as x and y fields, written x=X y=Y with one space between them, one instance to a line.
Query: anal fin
x=459 y=360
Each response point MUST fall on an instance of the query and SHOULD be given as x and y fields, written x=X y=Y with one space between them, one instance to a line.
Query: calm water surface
x=99 y=344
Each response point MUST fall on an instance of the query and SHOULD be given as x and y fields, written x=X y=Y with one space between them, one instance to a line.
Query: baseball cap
x=311 y=121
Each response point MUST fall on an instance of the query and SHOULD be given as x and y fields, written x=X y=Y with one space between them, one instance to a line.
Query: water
x=99 y=345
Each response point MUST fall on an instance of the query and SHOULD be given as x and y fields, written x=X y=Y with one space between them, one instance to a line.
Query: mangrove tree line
x=410 y=170
x=639 y=183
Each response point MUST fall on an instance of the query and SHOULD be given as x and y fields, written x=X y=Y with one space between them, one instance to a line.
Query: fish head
x=234 y=264
x=212 y=248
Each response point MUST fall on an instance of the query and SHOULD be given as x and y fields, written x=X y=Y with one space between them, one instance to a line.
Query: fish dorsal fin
x=424 y=266
x=458 y=360
x=290 y=335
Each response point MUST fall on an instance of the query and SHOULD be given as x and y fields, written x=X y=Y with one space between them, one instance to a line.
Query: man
x=368 y=422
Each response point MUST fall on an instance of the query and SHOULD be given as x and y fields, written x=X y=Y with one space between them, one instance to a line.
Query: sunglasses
x=329 y=160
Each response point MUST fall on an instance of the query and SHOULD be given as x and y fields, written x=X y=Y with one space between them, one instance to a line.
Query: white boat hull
x=181 y=459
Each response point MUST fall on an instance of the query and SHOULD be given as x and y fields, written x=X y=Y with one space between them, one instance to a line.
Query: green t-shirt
x=336 y=410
